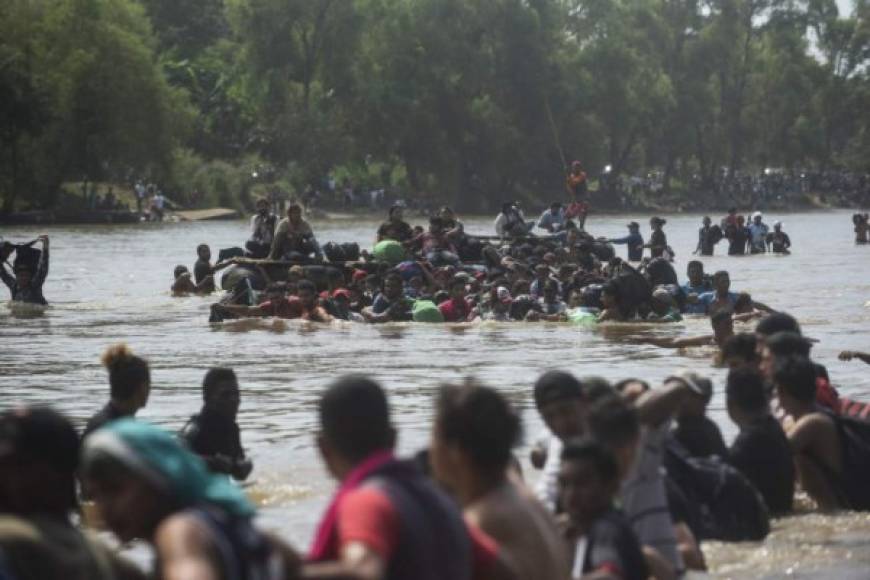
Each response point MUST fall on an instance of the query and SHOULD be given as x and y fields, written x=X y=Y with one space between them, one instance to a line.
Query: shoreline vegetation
x=75 y=206
x=686 y=106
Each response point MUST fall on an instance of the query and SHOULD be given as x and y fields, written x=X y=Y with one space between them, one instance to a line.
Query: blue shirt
x=549 y=220
x=635 y=246
x=696 y=307
x=708 y=298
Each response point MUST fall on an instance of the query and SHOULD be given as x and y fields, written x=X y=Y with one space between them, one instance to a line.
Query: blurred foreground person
x=473 y=434
x=129 y=386
x=200 y=525
x=601 y=538
x=387 y=520
x=39 y=452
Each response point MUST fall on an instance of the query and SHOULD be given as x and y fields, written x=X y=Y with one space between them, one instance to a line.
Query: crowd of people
x=633 y=478
x=548 y=269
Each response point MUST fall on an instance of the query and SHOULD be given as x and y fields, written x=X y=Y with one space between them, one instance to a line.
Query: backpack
x=334 y=252
x=227 y=253
x=660 y=271
x=725 y=503
x=855 y=441
x=633 y=290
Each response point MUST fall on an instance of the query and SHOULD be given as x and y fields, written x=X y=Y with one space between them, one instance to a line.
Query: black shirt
x=700 y=436
x=611 y=542
x=737 y=241
x=107 y=414
x=212 y=434
x=658 y=241
x=762 y=453
x=398 y=231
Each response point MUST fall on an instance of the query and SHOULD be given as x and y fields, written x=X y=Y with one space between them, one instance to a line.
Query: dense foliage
x=466 y=101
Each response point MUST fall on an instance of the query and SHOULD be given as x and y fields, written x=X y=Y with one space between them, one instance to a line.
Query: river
x=111 y=283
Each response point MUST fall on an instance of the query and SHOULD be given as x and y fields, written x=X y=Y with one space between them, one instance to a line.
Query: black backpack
x=855 y=440
x=726 y=505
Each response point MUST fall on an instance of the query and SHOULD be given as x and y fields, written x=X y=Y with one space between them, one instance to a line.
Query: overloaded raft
x=489 y=260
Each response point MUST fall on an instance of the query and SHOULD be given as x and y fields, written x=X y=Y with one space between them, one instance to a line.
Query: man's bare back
x=525 y=531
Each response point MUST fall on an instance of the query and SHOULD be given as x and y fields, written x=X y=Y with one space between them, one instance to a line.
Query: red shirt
x=367 y=516
x=455 y=310
x=289 y=307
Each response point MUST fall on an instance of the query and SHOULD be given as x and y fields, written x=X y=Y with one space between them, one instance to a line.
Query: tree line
x=468 y=102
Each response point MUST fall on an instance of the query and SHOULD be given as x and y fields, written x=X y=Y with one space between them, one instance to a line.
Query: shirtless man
x=723 y=329
x=815 y=439
x=472 y=436
x=183 y=283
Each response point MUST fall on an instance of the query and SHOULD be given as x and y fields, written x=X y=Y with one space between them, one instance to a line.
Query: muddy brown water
x=110 y=283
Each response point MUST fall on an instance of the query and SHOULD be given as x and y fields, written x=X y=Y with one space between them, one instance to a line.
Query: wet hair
x=214 y=377
x=744 y=388
x=743 y=302
x=721 y=273
x=588 y=449
x=306 y=285
x=788 y=343
x=797 y=377
x=179 y=270
x=480 y=421
x=127 y=372
x=556 y=386
x=741 y=345
x=202 y=247
x=596 y=388
x=777 y=322
x=623 y=384
x=695 y=264
x=355 y=417
x=613 y=422
x=40 y=435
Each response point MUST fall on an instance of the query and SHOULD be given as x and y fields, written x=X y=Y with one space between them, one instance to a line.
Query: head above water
x=588 y=479
x=179 y=271
x=475 y=427
x=777 y=322
x=740 y=351
x=695 y=272
x=559 y=398
x=745 y=394
x=204 y=252
x=354 y=423
x=396 y=212
x=129 y=377
x=220 y=391
x=795 y=380
x=614 y=423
